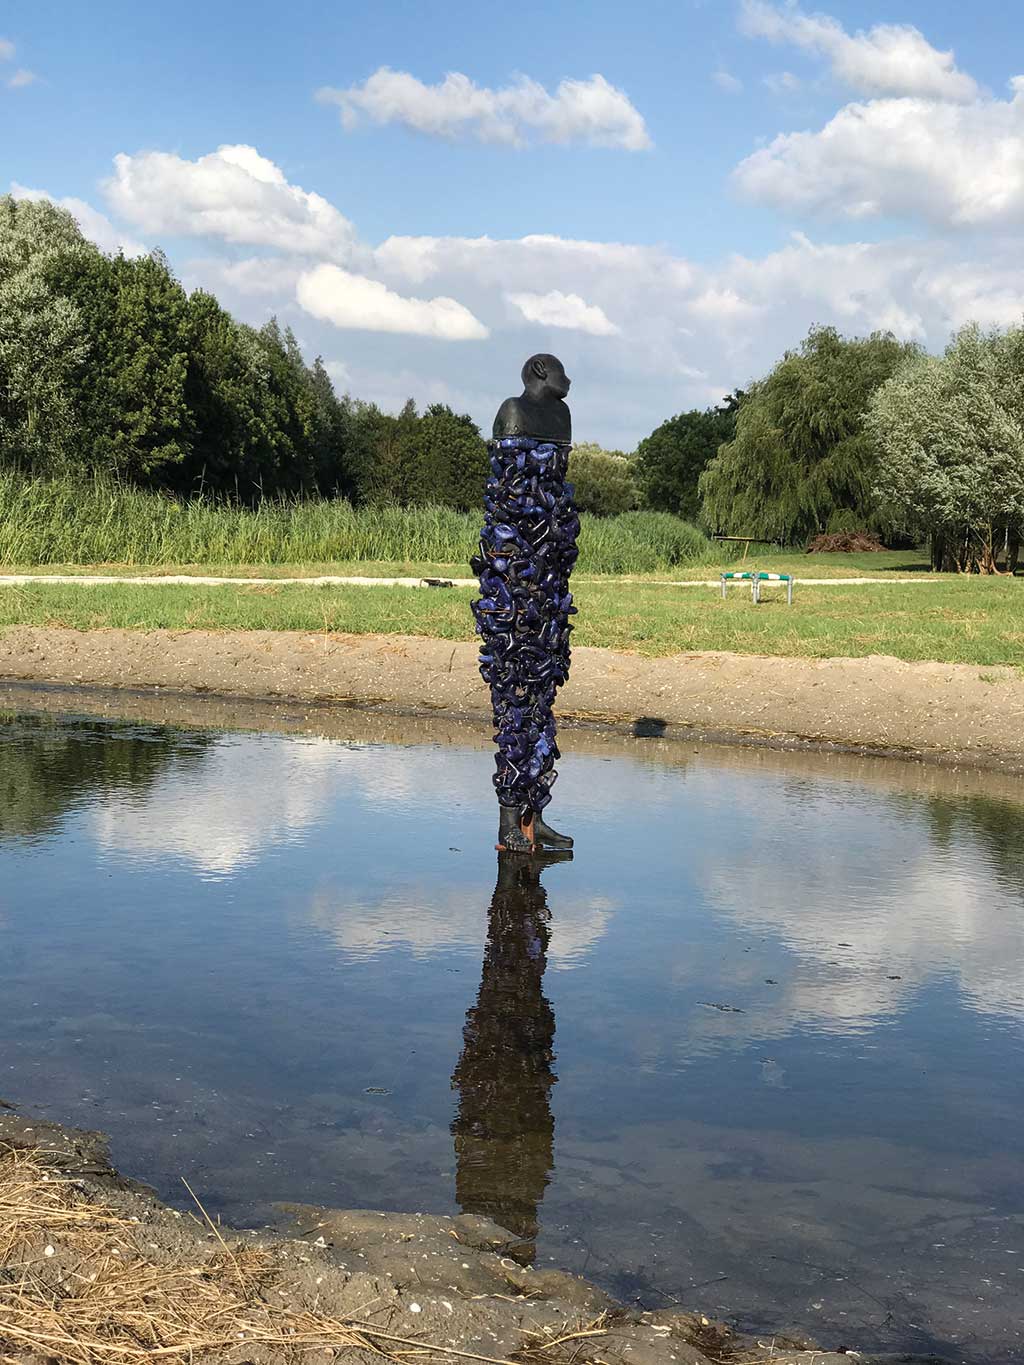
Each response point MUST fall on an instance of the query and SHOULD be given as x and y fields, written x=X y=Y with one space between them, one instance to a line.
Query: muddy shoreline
x=898 y=770
x=445 y=1288
x=954 y=715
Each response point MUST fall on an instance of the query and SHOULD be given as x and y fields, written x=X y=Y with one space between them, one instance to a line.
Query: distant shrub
x=643 y=542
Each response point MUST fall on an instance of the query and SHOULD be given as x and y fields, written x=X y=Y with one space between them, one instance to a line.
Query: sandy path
x=953 y=712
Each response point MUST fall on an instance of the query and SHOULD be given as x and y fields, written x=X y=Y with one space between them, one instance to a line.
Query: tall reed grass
x=97 y=522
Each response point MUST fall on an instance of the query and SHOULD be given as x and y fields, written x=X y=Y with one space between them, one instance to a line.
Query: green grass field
x=621 y=580
x=961 y=620
x=882 y=564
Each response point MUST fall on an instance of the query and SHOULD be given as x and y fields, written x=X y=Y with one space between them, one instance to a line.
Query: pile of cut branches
x=845 y=542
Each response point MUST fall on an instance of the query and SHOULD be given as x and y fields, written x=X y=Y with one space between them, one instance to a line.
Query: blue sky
x=721 y=175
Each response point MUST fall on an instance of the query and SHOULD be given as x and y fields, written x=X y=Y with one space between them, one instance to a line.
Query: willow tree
x=801 y=461
x=951 y=430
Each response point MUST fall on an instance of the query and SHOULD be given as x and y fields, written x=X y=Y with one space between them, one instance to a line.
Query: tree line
x=108 y=366
x=855 y=434
x=865 y=433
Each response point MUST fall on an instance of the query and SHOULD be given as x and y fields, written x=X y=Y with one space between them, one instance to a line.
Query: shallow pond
x=757 y=1049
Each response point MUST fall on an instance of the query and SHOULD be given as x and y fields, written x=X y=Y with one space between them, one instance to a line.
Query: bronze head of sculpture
x=540 y=410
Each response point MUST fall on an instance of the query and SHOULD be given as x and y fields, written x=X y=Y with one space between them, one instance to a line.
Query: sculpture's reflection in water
x=504 y=1129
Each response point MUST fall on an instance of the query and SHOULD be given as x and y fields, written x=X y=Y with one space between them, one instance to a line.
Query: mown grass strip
x=887 y=565
x=976 y=621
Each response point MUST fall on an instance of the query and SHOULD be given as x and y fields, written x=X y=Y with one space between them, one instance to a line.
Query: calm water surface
x=757 y=1049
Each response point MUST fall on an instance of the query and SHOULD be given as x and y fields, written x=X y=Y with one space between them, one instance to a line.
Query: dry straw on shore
x=77 y=1285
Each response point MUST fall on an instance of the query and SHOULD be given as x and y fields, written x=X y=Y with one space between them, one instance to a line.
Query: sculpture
x=540 y=410
x=527 y=551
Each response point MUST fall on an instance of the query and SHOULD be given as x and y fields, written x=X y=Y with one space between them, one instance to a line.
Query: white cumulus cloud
x=255 y=277
x=6 y=50
x=590 y=111
x=721 y=304
x=688 y=332
x=234 y=194
x=954 y=164
x=96 y=226
x=696 y=330
x=540 y=257
x=889 y=59
x=976 y=291
x=725 y=80
x=781 y=82
x=556 y=309
x=335 y=295
x=646 y=332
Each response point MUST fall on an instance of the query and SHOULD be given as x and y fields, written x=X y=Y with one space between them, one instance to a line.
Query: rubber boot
x=546 y=837
x=514 y=835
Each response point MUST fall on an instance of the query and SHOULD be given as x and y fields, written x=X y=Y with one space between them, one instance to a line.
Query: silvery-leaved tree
x=605 y=481
x=42 y=336
x=950 y=430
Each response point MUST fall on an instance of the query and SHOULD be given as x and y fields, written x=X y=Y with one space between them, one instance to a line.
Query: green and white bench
x=755 y=580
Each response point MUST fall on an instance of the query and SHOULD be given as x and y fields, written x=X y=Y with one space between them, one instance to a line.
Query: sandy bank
x=952 y=713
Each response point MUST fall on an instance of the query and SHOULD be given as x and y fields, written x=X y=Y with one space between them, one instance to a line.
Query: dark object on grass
x=845 y=542
x=527 y=551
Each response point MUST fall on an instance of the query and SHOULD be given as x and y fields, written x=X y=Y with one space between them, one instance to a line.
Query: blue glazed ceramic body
x=527 y=551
